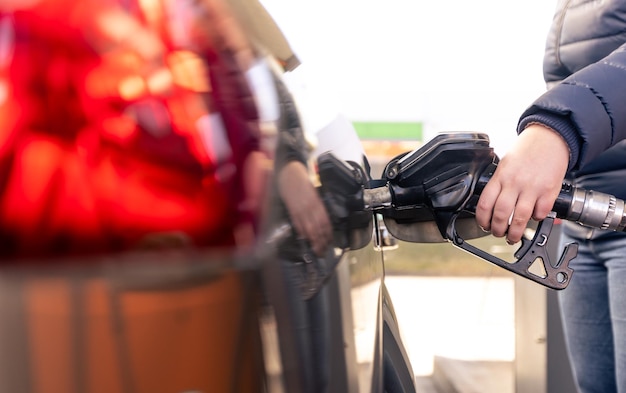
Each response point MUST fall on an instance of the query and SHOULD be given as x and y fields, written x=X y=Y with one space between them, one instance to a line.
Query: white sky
x=455 y=65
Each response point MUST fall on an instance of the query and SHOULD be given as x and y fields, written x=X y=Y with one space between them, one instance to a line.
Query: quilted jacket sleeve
x=588 y=108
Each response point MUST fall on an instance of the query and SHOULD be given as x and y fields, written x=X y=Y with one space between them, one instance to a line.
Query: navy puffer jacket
x=585 y=70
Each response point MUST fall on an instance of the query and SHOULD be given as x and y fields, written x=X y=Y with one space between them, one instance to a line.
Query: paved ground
x=465 y=325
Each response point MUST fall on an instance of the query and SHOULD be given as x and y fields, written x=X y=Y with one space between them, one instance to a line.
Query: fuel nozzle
x=429 y=195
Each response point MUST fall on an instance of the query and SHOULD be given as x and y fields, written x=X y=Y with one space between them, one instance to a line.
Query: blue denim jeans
x=593 y=309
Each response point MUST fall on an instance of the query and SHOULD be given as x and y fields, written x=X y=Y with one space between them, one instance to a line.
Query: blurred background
x=446 y=66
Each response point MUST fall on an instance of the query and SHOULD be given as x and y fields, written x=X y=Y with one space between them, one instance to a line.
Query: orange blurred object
x=131 y=330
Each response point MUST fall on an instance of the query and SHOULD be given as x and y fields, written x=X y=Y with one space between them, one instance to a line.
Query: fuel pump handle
x=441 y=182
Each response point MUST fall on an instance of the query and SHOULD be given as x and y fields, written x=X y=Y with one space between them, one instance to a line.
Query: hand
x=306 y=209
x=525 y=185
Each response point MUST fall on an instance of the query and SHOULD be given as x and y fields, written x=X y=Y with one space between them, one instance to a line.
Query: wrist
x=559 y=124
x=550 y=137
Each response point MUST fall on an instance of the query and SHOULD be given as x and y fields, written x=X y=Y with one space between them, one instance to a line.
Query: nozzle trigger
x=532 y=258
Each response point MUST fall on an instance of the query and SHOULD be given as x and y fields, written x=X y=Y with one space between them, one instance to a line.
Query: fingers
x=320 y=235
x=306 y=209
x=486 y=203
x=505 y=208
x=519 y=219
x=315 y=226
x=505 y=211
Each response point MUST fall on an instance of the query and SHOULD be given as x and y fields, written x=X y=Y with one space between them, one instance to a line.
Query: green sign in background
x=388 y=130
